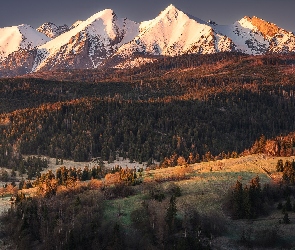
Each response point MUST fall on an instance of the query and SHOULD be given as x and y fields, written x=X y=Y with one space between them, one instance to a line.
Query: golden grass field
x=205 y=187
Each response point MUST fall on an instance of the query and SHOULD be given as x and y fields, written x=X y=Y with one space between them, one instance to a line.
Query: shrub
x=117 y=191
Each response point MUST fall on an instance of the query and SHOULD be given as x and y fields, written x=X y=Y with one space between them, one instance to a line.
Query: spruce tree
x=280 y=166
x=171 y=214
x=286 y=219
x=288 y=204
x=238 y=201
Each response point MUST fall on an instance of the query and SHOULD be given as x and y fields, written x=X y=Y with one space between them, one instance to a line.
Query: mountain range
x=106 y=39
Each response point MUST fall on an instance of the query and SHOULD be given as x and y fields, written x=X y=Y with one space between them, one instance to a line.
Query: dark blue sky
x=36 y=12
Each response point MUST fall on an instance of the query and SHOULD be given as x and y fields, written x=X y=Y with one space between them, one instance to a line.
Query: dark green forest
x=197 y=107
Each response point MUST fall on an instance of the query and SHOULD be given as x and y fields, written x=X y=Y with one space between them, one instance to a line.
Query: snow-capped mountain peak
x=87 y=44
x=108 y=17
x=253 y=35
x=170 y=14
x=172 y=33
x=19 y=37
x=169 y=8
x=171 y=11
x=246 y=23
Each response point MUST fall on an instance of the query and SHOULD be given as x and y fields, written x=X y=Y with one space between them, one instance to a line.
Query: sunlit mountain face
x=106 y=40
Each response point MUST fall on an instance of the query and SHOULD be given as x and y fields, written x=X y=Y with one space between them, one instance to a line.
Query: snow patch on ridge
x=135 y=62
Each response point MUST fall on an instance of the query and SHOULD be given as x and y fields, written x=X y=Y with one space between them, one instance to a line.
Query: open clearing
x=124 y=163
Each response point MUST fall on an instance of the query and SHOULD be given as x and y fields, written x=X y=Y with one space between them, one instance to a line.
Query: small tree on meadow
x=280 y=166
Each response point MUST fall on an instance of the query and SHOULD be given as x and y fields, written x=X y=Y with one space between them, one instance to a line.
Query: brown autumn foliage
x=113 y=179
x=95 y=184
x=174 y=174
x=9 y=190
x=47 y=188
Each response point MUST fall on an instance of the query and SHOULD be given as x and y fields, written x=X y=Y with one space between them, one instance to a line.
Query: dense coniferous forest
x=198 y=106
x=140 y=130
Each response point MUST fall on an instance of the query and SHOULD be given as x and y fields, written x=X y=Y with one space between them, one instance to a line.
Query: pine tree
x=238 y=200
x=286 y=219
x=280 y=206
x=117 y=240
x=288 y=204
x=85 y=174
x=280 y=166
x=171 y=214
x=13 y=173
x=247 y=209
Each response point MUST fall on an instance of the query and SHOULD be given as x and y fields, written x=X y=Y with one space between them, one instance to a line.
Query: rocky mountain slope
x=52 y=30
x=105 y=39
x=257 y=36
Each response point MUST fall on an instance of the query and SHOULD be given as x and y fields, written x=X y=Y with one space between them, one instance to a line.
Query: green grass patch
x=119 y=210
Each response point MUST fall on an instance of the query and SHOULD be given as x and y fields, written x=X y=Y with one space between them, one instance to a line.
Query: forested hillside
x=193 y=106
